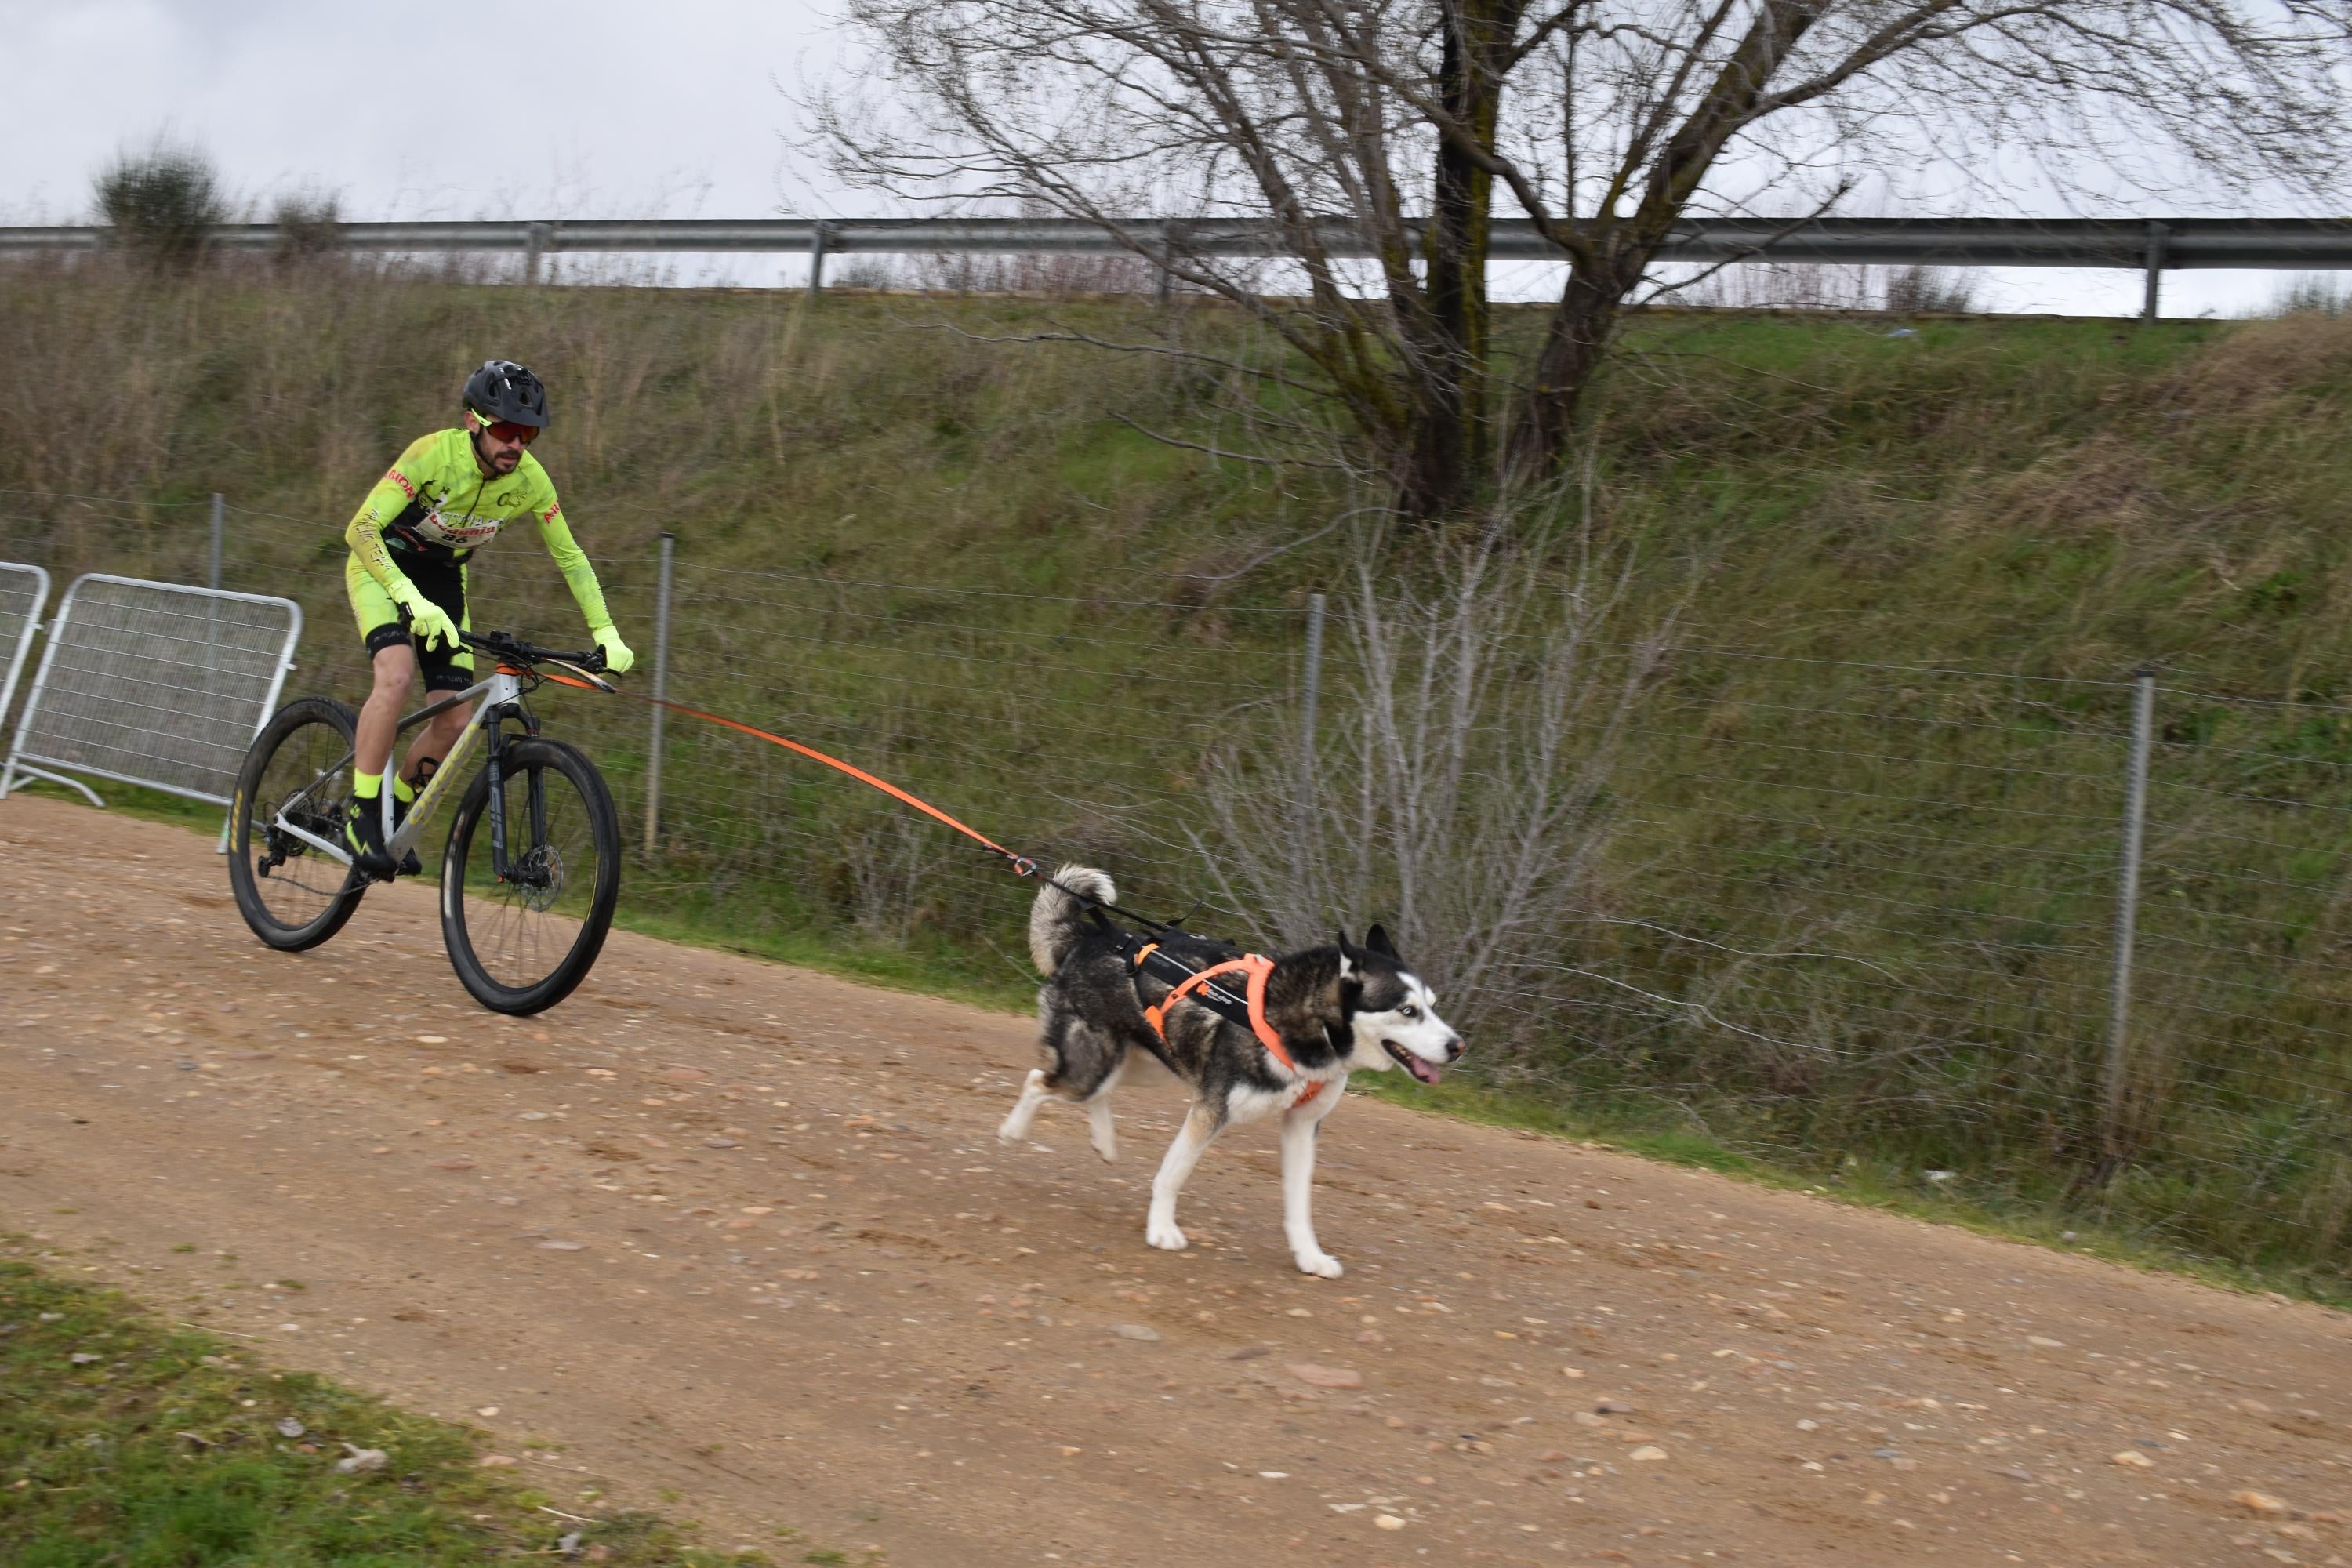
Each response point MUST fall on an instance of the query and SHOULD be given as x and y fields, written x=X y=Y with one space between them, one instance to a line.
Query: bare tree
x=1387 y=127
x=1461 y=784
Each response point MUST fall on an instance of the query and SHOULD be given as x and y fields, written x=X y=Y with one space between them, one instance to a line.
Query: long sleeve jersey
x=435 y=505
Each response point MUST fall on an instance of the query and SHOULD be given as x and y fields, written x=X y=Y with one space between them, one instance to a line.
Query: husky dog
x=1337 y=1010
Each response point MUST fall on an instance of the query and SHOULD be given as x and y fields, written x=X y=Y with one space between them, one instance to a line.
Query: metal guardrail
x=153 y=684
x=2184 y=242
x=2153 y=246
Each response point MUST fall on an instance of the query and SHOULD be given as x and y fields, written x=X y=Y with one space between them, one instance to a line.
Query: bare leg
x=379 y=725
x=1298 y=1132
x=434 y=741
x=1033 y=1093
x=1193 y=1140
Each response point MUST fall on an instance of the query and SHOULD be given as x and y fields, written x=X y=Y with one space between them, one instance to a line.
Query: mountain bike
x=531 y=868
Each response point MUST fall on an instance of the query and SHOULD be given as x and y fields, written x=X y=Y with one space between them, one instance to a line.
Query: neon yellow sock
x=402 y=790
x=367 y=787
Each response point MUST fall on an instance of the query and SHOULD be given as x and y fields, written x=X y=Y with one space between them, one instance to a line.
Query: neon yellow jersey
x=436 y=506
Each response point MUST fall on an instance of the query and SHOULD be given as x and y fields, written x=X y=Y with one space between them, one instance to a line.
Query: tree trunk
x=1578 y=334
x=1576 y=339
x=1453 y=451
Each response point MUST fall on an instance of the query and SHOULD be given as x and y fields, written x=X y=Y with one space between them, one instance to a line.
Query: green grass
x=1637 y=1128
x=166 y=1447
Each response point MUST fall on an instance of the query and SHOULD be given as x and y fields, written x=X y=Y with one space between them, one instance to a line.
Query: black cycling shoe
x=409 y=866
x=363 y=831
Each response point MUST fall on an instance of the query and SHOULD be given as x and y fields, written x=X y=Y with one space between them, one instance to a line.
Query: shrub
x=1930 y=290
x=162 y=204
x=2310 y=293
x=310 y=225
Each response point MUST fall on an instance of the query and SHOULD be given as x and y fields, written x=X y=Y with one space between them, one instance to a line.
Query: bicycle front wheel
x=297 y=774
x=522 y=933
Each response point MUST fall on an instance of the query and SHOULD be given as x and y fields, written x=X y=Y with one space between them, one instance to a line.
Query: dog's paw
x=1010 y=1131
x=1105 y=1144
x=1165 y=1235
x=1322 y=1265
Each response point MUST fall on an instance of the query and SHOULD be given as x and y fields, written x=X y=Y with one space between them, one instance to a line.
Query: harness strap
x=1257 y=967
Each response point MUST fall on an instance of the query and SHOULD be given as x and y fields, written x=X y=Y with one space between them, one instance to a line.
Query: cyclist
x=448 y=495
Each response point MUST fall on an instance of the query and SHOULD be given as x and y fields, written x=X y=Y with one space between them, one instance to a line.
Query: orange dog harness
x=1257 y=967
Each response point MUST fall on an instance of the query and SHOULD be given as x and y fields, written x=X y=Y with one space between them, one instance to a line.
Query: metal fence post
x=1303 y=806
x=661 y=691
x=212 y=610
x=2111 y=1106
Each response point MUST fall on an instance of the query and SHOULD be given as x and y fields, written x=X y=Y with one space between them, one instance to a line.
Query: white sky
x=584 y=109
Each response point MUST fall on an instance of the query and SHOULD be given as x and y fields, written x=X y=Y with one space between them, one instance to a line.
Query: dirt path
x=745 y=1233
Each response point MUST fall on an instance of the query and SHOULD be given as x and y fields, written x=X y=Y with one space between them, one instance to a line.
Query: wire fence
x=1847 y=910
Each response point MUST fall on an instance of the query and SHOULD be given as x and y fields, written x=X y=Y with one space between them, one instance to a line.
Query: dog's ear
x=1377 y=941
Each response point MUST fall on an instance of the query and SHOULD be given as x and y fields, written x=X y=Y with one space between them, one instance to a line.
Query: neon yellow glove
x=617 y=656
x=427 y=621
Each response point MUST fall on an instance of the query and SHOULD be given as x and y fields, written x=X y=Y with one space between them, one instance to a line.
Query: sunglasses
x=508 y=430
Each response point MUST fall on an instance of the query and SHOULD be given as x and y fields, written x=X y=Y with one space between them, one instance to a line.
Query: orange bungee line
x=1248 y=1009
x=1021 y=864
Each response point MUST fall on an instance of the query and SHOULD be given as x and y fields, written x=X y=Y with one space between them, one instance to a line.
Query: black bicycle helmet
x=502 y=389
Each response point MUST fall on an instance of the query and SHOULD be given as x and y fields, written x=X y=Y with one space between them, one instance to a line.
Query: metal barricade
x=23 y=590
x=153 y=684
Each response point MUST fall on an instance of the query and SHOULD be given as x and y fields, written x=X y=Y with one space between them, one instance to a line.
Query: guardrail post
x=535 y=241
x=213 y=574
x=1169 y=234
x=1303 y=804
x=2157 y=234
x=661 y=691
x=818 y=239
x=2119 y=1062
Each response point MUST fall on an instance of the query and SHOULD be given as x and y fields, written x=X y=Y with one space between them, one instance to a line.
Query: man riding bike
x=448 y=495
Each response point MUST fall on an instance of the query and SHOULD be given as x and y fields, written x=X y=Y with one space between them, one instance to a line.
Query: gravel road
x=740 y=1236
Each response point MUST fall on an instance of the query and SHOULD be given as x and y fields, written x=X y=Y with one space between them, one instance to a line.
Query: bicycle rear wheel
x=299 y=767
x=522 y=942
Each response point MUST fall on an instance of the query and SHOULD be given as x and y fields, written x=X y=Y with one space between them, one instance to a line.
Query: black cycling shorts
x=443 y=583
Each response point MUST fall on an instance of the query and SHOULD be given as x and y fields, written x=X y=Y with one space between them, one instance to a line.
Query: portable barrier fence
x=153 y=684
x=23 y=590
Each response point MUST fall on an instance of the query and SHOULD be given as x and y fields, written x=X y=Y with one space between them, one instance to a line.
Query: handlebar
x=514 y=650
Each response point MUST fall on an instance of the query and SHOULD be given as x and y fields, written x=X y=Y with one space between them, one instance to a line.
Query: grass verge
x=1634 y=1128
x=127 y=1441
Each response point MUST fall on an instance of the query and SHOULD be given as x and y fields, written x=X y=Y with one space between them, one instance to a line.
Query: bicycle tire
x=328 y=898
x=477 y=908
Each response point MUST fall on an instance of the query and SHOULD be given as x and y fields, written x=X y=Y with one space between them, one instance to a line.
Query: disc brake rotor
x=538 y=876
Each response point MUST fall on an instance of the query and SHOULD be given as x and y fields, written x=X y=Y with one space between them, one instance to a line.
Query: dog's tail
x=1053 y=919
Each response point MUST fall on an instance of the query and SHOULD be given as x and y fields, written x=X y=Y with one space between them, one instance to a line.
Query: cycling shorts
x=442 y=582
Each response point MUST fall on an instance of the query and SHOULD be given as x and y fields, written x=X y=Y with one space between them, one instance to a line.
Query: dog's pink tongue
x=1428 y=1072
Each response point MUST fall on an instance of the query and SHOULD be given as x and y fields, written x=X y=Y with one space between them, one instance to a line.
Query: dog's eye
x=1410 y=1011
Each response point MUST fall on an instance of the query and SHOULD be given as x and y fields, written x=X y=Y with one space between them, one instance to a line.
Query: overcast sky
x=584 y=109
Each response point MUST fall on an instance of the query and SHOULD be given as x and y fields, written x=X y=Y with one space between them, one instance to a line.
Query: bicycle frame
x=501 y=699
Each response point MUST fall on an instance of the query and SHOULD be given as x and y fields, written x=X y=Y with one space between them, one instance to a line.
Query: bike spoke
x=522 y=927
x=309 y=779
